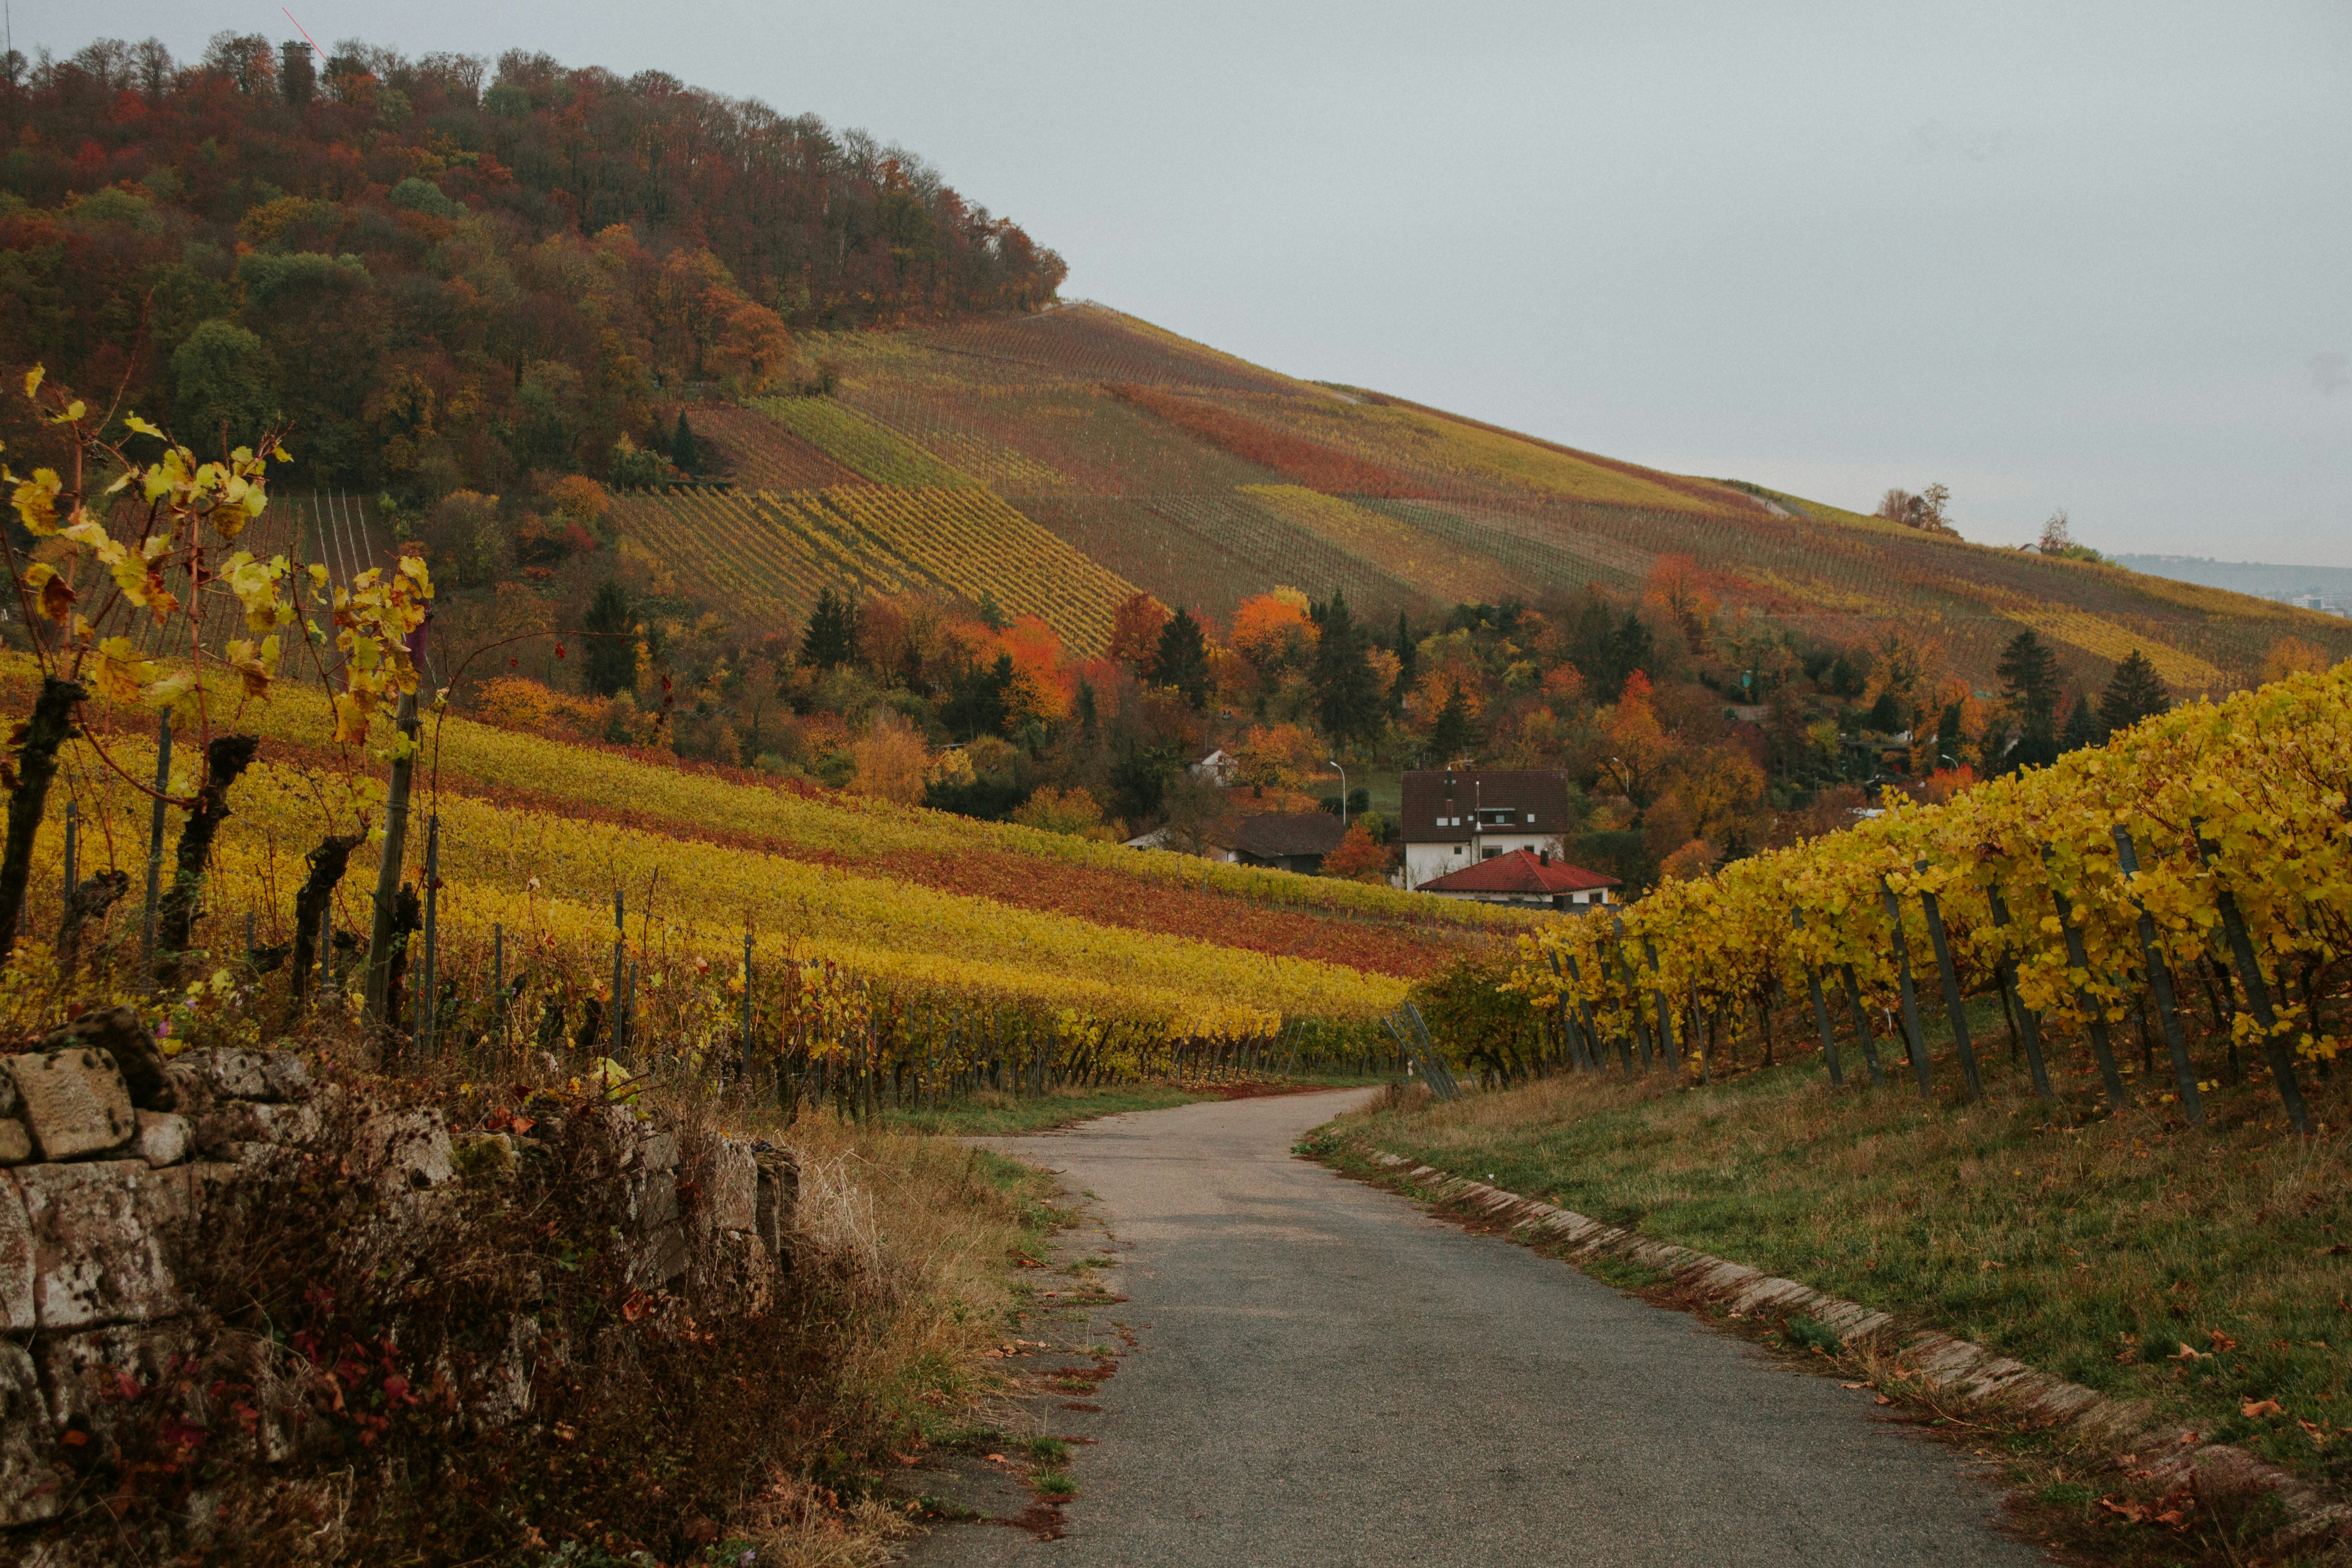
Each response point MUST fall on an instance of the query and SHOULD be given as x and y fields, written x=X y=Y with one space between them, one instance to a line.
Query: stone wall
x=113 y=1158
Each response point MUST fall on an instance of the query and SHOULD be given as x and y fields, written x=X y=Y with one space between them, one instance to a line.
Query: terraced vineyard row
x=761 y=452
x=1442 y=568
x=850 y=437
x=769 y=555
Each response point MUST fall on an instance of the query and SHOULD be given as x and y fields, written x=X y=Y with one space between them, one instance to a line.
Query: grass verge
x=2203 y=1273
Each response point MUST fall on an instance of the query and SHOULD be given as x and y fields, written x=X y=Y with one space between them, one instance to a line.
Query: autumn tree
x=2293 y=655
x=224 y=387
x=1360 y=856
x=1676 y=590
x=1135 y=630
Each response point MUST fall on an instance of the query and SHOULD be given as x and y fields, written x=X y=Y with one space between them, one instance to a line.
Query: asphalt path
x=1327 y=1375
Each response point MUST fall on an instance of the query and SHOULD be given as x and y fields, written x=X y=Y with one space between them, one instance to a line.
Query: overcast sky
x=2090 y=256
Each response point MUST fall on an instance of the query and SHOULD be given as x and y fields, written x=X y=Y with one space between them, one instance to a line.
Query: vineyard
x=1172 y=467
x=584 y=899
x=2201 y=856
x=767 y=555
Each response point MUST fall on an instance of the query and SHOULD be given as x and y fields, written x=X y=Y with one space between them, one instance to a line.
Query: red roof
x=1520 y=872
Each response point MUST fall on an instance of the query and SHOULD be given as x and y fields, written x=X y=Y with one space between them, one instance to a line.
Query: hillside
x=1205 y=480
x=943 y=911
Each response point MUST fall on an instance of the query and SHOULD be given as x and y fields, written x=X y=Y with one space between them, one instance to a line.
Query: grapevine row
x=2211 y=842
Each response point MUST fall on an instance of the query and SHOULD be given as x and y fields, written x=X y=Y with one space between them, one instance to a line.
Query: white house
x=1454 y=819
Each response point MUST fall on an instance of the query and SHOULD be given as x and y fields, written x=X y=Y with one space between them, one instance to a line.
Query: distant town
x=2327 y=589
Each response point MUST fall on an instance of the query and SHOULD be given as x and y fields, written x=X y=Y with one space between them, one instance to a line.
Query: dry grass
x=2201 y=1272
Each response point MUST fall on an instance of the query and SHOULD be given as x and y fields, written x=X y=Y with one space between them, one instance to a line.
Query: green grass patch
x=1054 y=1484
x=2204 y=1272
x=1623 y=1273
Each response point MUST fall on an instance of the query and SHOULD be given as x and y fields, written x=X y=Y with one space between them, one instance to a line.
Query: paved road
x=1326 y=1375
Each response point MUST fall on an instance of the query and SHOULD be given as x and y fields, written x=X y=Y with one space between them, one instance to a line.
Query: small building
x=1530 y=877
x=1217 y=767
x=1287 y=841
x=1451 y=819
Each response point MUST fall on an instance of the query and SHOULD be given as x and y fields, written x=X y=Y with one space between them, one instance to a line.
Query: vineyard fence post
x=428 y=1007
x=2258 y=996
x=2029 y=1022
x=498 y=981
x=156 y=846
x=73 y=848
x=2094 y=1010
x=1666 y=1051
x=1954 y=1003
x=2159 y=980
x=1862 y=1035
x=1821 y=1011
x=620 y=962
x=1914 y=1040
x=747 y=1008
x=377 y=1001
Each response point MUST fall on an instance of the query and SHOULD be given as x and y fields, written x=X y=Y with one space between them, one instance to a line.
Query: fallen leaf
x=2221 y=1342
x=1882 y=1399
x=2254 y=1409
x=1854 y=1386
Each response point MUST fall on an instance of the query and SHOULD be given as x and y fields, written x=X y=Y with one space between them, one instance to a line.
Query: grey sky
x=2090 y=256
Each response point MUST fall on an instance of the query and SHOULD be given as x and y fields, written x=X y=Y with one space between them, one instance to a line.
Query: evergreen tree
x=975 y=704
x=992 y=614
x=2029 y=682
x=2135 y=692
x=831 y=636
x=1885 y=714
x=2083 y=726
x=610 y=661
x=1949 y=735
x=1454 y=732
x=682 y=446
x=1182 y=660
x=1636 y=649
x=1407 y=654
x=1346 y=693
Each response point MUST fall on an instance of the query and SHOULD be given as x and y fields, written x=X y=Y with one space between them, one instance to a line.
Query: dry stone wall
x=113 y=1158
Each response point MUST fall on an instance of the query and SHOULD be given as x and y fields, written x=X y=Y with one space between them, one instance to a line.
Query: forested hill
x=442 y=273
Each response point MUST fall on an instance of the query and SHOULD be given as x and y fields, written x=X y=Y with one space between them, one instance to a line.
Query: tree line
x=444 y=275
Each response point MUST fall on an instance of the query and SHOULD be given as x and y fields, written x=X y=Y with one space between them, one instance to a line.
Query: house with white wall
x=1453 y=818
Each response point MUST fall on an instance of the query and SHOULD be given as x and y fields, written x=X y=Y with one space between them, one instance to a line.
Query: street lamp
x=1333 y=762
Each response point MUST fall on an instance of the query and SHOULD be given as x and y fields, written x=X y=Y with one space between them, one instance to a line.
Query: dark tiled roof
x=1539 y=794
x=1283 y=833
x=1520 y=872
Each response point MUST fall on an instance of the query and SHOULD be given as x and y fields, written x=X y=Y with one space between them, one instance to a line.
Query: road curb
x=2168 y=1458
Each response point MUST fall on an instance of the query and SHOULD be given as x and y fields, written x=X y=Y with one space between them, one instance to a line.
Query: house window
x=1489 y=855
x=1496 y=817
